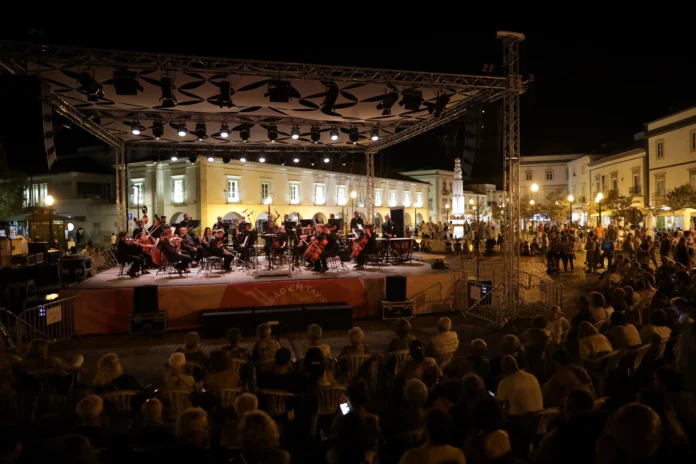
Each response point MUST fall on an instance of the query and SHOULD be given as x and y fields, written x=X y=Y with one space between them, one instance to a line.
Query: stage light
x=334 y=133
x=282 y=160
x=211 y=159
x=244 y=133
x=262 y=159
x=157 y=129
x=312 y=159
x=192 y=159
x=278 y=91
x=375 y=134
x=224 y=131
x=224 y=98
x=174 y=157
x=242 y=158
x=92 y=87
x=168 y=99
x=226 y=159
x=411 y=99
x=295 y=133
x=440 y=104
x=315 y=134
x=272 y=133
x=326 y=159
x=182 y=130
x=126 y=83
x=200 y=130
x=353 y=135
x=296 y=159
x=137 y=129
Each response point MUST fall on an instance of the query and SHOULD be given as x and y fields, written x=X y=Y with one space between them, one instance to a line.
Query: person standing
x=219 y=224
x=665 y=246
x=388 y=227
x=568 y=253
x=138 y=230
x=357 y=220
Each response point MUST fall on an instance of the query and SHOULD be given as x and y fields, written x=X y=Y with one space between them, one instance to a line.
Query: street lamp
x=598 y=200
x=49 y=200
x=531 y=202
x=571 y=199
x=535 y=188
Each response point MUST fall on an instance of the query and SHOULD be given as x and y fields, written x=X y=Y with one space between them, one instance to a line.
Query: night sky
x=593 y=87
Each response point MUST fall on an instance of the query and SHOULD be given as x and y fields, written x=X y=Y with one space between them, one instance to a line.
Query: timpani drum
x=402 y=248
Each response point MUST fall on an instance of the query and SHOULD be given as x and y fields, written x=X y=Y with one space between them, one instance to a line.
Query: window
x=341 y=197
x=597 y=185
x=582 y=169
x=430 y=203
x=178 y=190
x=660 y=149
x=549 y=174
x=660 y=186
x=265 y=191
x=573 y=171
x=319 y=194
x=614 y=183
x=392 y=198
x=528 y=175
x=693 y=140
x=361 y=198
x=692 y=178
x=137 y=197
x=603 y=184
x=378 y=198
x=407 y=199
x=233 y=191
x=27 y=196
x=39 y=192
x=419 y=199
x=294 y=194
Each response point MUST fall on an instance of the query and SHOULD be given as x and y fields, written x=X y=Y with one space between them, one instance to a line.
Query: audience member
x=621 y=333
x=634 y=434
x=538 y=334
x=220 y=374
x=509 y=345
x=358 y=397
x=90 y=410
x=265 y=348
x=558 y=326
x=438 y=431
x=235 y=347
x=567 y=378
x=260 y=440
x=519 y=390
x=192 y=349
x=445 y=341
x=244 y=403
x=152 y=430
x=174 y=376
x=110 y=376
x=352 y=443
x=357 y=343
x=658 y=325
x=192 y=438
x=598 y=311
x=591 y=343
x=37 y=359
x=477 y=361
x=486 y=418
x=686 y=357
x=419 y=366
x=403 y=336
x=314 y=334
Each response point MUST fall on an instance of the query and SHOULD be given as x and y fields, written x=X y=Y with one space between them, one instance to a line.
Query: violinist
x=139 y=230
x=205 y=239
x=368 y=248
x=188 y=246
x=217 y=248
x=172 y=254
x=155 y=229
x=129 y=252
x=246 y=241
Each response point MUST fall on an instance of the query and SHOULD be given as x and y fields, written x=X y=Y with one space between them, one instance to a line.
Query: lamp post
x=49 y=200
x=571 y=199
x=598 y=200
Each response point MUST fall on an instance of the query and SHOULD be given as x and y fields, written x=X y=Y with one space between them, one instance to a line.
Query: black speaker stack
x=146 y=316
x=396 y=288
x=396 y=305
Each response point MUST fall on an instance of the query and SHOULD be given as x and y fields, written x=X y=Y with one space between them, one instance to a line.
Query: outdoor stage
x=107 y=300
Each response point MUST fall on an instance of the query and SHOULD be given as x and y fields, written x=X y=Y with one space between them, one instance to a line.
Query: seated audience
x=403 y=336
x=174 y=377
x=314 y=334
x=260 y=440
x=110 y=376
x=558 y=326
x=519 y=390
x=634 y=434
x=486 y=418
x=220 y=375
x=438 y=432
x=445 y=341
x=477 y=361
x=152 y=430
x=192 y=349
x=264 y=348
x=658 y=325
x=284 y=377
x=90 y=410
x=591 y=343
x=415 y=394
x=316 y=371
x=352 y=442
x=192 y=438
x=358 y=397
x=235 y=348
x=419 y=366
x=598 y=310
x=538 y=334
x=567 y=378
x=509 y=345
x=244 y=403
x=36 y=359
x=621 y=333
x=357 y=343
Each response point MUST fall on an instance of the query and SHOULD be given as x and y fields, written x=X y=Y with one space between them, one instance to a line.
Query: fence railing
x=52 y=322
x=103 y=260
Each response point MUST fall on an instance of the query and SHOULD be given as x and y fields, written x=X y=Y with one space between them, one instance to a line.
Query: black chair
x=122 y=270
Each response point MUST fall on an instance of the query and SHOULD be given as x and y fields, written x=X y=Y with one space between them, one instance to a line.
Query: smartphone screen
x=491 y=393
x=345 y=408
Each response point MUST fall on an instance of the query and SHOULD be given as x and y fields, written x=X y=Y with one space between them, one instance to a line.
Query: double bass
x=359 y=244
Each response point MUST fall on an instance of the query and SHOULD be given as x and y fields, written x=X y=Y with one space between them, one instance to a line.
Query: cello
x=360 y=243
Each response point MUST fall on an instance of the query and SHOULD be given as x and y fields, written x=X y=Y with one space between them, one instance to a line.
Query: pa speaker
x=396 y=288
x=330 y=316
x=217 y=322
x=145 y=300
x=282 y=319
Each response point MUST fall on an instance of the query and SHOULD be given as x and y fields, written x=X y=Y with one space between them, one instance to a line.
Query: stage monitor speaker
x=396 y=288
x=282 y=319
x=217 y=322
x=397 y=217
x=330 y=316
x=145 y=299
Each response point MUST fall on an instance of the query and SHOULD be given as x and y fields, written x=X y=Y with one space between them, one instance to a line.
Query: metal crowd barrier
x=52 y=322
x=103 y=260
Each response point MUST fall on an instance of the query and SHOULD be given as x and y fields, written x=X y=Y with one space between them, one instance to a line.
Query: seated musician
x=388 y=228
x=217 y=248
x=219 y=224
x=282 y=243
x=139 y=230
x=329 y=234
x=367 y=249
x=188 y=246
x=184 y=222
x=155 y=229
x=205 y=239
x=128 y=252
x=246 y=241
x=271 y=230
x=146 y=244
x=172 y=254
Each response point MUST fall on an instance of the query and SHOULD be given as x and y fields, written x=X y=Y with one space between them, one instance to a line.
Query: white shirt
x=522 y=392
x=432 y=454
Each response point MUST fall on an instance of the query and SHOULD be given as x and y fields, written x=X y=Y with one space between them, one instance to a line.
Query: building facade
x=208 y=189
x=547 y=172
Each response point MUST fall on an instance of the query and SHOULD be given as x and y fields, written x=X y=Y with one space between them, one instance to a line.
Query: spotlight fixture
x=91 y=86
x=295 y=133
x=334 y=133
x=157 y=129
x=224 y=131
x=182 y=130
x=439 y=105
x=375 y=134
x=272 y=133
x=296 y=159
x=137 y=128
x=226 y=159
x=326 y=158
x=242 y=158
x=315 y=134
x=353 y=135
x=411 y=99
x=192 y=159
x=200 y=130
x=244 y=133
x=168 y=98
x=211 y=159
x=282 y=160
x=174 y=157
x=224 y=98
x=312 y=159
x=262 y=159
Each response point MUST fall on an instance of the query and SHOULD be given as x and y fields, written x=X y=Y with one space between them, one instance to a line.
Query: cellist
x=361 y=259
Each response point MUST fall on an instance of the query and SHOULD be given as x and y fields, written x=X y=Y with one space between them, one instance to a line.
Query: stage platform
x=107 y=300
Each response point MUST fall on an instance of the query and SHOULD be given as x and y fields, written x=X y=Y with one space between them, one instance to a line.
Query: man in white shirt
x=438 y=430
x=445 y=341
x=518 y=389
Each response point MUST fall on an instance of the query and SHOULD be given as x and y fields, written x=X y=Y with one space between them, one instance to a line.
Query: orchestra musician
x=219 y=224
x=184 y=222
x=286 y=221
x=188 y=246
x=272 y=229
x=128 y=252
x=139 y=230
x=172 y=254
x=217 y=248
x=145 y=245
x=367 y=249
x=329 y=234
x=280 y=244
x=246 y=241
x=355 y=221
x=317 y=219
x=165 y=224
x=156 y=229
x=205 y=239
x=235 y=231
x=388 y=230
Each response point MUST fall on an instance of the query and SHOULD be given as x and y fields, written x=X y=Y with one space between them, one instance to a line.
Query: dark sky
x=594 y=84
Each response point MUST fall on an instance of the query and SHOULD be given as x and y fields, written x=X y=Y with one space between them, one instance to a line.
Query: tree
x=681 y=197
x=11 y=189
x=557 y=205
x=498 y=212
x=618 y=205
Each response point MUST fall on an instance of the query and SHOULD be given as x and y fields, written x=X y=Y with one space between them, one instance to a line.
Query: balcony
x=611 y=193
x=635 y=191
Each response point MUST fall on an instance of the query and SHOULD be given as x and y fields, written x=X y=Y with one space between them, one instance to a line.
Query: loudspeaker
x=396 y=288
x=145 y=300
x=147 y=323
x=217 y=322
x=330 y=316
x=397 y=217
x=282 y=319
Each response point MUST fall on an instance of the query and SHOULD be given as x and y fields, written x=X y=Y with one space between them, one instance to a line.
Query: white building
x=458 y=190
x=547 y=172
x=440 y=191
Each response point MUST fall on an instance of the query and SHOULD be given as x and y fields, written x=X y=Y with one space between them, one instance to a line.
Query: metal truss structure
x=248 y=147
x=511 y=171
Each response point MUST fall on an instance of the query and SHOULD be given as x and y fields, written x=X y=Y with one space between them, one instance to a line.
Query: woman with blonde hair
x=314 y=334
x=357 y=343
x=174 y=377
x=260 y=440
x=110 y=376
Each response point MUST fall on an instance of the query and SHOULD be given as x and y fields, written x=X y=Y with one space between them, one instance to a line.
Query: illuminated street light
x=354 y=194
x=531 y=202
x=49 y=200
x=535 y=188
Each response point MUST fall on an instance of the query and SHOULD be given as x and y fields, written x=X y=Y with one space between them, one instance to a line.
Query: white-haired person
x=174 y=377
x=220 y=374
x=357 y=343
x=244 y=403
x=260 y=439
x=90 y=410
x=265 y=349
x=314 y=334
x=444 y=341
x=192 y=438
x=152 y=431
x=110 y=376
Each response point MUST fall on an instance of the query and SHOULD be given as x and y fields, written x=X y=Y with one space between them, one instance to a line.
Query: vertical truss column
x=370 y=174
x=511 y=159
x=121 y=222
